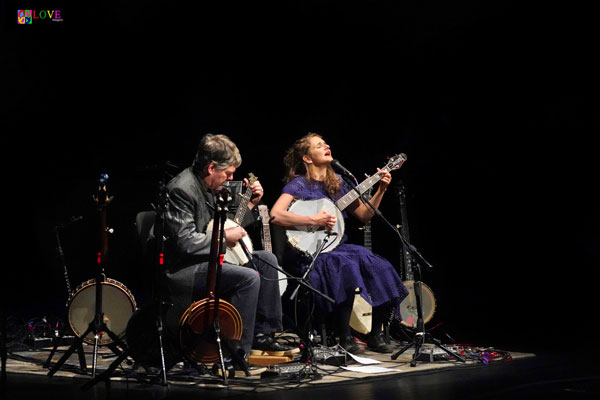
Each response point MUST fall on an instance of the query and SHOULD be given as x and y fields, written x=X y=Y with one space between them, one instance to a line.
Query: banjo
x=362 y=312
x=236 y=255
x=309 y=239
x=408 y=306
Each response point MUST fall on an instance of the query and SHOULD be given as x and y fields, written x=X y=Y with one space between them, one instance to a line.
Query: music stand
x=97 y=326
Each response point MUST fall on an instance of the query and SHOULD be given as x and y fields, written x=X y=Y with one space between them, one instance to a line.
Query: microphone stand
x=58 y=337
x=308 y=355
x=421 y=336
x=220 y=216
x=162 y=207
x=302 y=280
x=97 y=326
x=159 y=258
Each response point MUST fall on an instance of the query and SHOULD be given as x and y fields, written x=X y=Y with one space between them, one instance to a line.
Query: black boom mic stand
x=421 y=337
x=303 y=281
x=97 y=326
x=137 y=350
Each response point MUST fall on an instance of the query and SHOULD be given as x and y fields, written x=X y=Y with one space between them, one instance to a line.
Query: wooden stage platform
x=329 y=367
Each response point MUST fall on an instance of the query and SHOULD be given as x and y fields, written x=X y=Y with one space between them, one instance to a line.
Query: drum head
x=309 y=239
x=408 y=306
x=117 y=306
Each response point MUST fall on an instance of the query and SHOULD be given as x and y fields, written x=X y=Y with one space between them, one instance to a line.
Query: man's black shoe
x=267 y=345
x=237 y=370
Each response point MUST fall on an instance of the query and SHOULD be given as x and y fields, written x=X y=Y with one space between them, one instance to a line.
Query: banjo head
x=408 y=306
x=308 y=239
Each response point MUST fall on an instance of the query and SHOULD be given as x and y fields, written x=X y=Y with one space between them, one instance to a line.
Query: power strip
x=329 y=356
x=40 y=343
x=287 y=369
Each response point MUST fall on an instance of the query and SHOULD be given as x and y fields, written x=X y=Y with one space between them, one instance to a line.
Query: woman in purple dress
x=339 y=272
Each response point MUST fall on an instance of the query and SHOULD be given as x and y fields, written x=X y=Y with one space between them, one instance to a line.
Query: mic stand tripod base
x=419 y=341
x=105 y=376
x=95 y=328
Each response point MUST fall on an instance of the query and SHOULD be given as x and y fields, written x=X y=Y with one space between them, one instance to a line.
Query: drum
x=118 y=305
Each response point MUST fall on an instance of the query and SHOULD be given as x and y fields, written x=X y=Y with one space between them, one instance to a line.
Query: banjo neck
x=364 y=186
x=406 y=257
x=367 y=229
x=263 y=212
x=245 y=198
x=393 y=163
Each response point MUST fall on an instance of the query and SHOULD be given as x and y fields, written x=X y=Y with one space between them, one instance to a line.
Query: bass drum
x=118 y=305
x=408 y=307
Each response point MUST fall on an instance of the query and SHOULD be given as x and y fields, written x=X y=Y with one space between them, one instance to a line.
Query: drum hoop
x=340 y=222
x=92 y=282
x=189 y=313
x=107 y=281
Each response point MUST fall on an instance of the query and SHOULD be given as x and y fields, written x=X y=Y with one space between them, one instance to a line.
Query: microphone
x=248 y=254
x=341 y=169
x=225 y=194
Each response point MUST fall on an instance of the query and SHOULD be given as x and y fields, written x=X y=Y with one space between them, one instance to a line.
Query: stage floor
x=506 y=375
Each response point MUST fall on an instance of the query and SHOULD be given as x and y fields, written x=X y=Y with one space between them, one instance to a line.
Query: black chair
x=144 y=221
x=142 y=328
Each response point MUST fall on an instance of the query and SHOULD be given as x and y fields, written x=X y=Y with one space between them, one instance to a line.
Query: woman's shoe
x=376 y=342
x=351 y=346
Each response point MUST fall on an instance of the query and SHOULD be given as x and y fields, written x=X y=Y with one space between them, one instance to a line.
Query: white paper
x=370 y=370
x=364 y=360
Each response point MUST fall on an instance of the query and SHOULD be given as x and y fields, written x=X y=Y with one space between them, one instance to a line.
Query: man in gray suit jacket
x=254 y=293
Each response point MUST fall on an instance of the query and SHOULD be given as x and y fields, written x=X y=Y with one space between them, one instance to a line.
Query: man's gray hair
x=218 y=149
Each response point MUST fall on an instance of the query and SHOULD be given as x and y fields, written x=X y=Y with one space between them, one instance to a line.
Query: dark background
x=495 y=104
